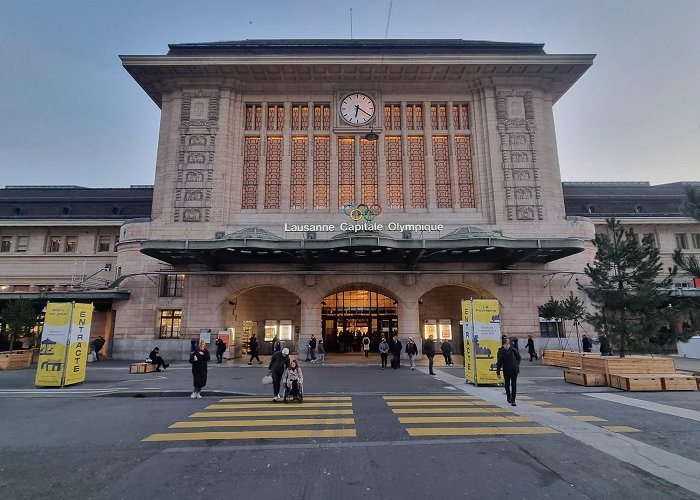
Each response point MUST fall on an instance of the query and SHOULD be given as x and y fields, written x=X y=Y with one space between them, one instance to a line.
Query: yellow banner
x=52 y=350
x=76 y=362
x=469 y=371
x=486 y=337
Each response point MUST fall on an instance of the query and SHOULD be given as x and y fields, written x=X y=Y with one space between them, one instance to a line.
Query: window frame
x=169 y=321
x=172 y=285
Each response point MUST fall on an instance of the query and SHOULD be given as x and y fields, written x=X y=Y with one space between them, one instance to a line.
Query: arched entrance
x=348 y=315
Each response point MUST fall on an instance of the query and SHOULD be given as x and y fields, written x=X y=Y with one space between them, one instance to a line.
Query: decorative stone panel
x=199 y=125
x=516 y=127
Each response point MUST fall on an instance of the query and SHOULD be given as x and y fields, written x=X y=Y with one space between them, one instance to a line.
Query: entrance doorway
x=347 y=316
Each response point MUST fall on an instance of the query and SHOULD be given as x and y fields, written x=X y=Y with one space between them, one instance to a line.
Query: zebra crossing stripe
x=477 y=431
x=262 y=423
x=256 y=434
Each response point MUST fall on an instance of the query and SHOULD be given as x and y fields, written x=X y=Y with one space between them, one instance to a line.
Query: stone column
x=409 y=322
x=310 y=323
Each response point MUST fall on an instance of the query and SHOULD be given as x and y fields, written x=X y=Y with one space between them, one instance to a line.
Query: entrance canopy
x=261 y=247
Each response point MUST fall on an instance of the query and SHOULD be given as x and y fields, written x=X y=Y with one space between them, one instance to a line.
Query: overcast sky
x=70 y=114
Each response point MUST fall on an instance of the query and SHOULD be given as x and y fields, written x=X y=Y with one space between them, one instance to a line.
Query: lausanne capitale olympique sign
x=362 y=217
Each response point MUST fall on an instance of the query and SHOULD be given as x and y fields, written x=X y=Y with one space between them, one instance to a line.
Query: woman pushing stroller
x=293 y=382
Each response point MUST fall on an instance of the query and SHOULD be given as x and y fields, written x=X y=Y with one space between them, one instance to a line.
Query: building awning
x=354 y=248
x=97 y=297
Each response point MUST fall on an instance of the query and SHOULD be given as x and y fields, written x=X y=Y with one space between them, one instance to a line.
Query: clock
x=357 y=109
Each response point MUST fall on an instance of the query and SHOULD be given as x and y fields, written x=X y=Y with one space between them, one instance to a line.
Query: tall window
x=22 y=244
x=392 y=116
x=681 y=241
x=441 y=158
x=273 y=170
x=5 y=244
x=322 y=117
x=300 y=156
x=696 y=240
x=71 y=244
x=104 y=243
x=438 y=116
x=370 y=172
x=414 y=117
x=253 y=116
x=54 y=244
x=275 y=116
x=300 y=116
x=169 y=321
x=394 y=172
x=322 y=168
x=650 y=236
x=465 y=174
x=460 y=116
x=172 y=285
x=346 y=171
x=416 y=171
x=251 y=159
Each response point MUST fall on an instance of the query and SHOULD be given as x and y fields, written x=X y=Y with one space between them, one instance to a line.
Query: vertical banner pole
x=473 y=331
x=70 y=331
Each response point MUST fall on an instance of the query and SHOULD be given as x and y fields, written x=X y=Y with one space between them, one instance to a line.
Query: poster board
x=482 y=339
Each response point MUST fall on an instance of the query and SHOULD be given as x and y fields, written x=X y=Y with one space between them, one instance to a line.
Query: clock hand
x=357 y=107
x=365 y=112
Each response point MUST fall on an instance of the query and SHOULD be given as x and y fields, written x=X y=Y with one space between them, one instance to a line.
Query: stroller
x=293 y=391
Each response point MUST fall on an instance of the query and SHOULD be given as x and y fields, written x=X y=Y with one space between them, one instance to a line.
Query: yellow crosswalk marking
x=477 y=431
x=524 y=398
x=286 y=434
x=620 y=428
x=435 y=403
x=562 y=410
x=445 y=420
x=262 y=423
x=270 y=404
x=273 y=412
x=269 y=400
x=431 y=398
x=404 y=411
x=589 y=418
x=538 y=403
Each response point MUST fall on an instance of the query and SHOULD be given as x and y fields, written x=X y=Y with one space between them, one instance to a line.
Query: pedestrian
x=365 y=345
x=605 y=349
x=155 y=358
x=396 y=348
x=429 y=350
x=97 y=345
x=447 y=352
x=293 y=379
x=384 y=351
x=278 y=363
x=276 y=345
x=321 y=353
x=531 y=348
x=509 y=360
x=199 y=358
x=311 y=349
x=253 y=348
x=220 y=350
x=586 y=343
x=411 y=351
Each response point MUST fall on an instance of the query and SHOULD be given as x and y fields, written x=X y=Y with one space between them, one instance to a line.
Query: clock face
x=357 y=109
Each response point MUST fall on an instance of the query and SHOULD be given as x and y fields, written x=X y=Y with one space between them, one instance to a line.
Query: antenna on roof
x=388 y=20
x=350 y=23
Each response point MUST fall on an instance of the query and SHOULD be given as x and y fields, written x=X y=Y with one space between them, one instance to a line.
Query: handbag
x=267 y=380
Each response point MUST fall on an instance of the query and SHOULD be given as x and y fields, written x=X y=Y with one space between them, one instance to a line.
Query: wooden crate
x=631 y=365
x=564 y=359
x=142 y=368
x=15 y=360
x=679 y=383
x=588 y=379
x=695 y=375
x=636 y=382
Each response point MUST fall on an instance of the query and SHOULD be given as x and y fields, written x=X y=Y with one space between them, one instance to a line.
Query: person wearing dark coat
x=531 y=348
x=253 y=346
x=429 y=350
x=587 y=343
x=157 y=360
x=396 y=348
x=447 y=352
x=220 y=350
x=97 y=345
x=199 y=358
x=278 y=363
x=509 y=361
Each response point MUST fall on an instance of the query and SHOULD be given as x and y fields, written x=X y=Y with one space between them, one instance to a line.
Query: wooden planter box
x=17 y=360
x=679 y=383
x=631 y=365
x=588 y=379
x=642 y=382
x=142 y=368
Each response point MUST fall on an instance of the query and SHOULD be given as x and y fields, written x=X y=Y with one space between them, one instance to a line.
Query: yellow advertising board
x=483 y=328
x=52 y=350
x=76 y=362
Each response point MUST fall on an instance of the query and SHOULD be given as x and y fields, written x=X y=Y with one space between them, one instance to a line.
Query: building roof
x=75 y=202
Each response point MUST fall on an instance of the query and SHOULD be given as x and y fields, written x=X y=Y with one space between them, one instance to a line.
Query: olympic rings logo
x=362 y=211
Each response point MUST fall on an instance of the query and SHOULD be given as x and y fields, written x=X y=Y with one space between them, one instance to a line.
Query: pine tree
x=626 y=289
x=19 y=317
x=691 y=208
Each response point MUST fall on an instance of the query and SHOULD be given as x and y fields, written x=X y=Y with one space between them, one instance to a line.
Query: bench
x=588 y=379
x=142 y=367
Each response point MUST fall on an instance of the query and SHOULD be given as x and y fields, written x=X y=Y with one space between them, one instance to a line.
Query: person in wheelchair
x=293 y=381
